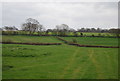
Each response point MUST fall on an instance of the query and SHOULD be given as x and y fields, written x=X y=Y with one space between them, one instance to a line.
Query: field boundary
x=63 y=36
x=81 y=45
x=31 y=43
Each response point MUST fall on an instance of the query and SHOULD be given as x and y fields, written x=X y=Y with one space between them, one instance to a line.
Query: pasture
x=98 y=34
x=91 y=33
x=30 y=39
x=93 y=40
x=59 y=62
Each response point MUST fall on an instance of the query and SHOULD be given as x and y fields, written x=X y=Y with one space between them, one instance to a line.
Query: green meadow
x=30 y=39
x=104 y=41
x=59 y=61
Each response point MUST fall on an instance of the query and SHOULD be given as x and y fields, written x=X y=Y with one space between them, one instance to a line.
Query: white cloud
x=76 y=15
x=59 y=0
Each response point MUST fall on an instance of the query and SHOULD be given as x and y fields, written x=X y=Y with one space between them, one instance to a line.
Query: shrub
x=81 y=34
x=99 y=34
x=92 y=35
x=74 y=40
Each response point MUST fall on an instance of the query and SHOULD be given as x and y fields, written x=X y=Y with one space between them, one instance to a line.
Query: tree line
x=32 y=27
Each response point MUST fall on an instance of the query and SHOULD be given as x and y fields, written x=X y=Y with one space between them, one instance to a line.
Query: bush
x=74 y=40
x=92 y=35
x=99 y=34
x=81 y=34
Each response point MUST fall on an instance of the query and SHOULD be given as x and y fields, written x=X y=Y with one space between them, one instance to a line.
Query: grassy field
x=94 y=40
x=92 y=33
x=69 y=33
x=30 y=39
x=57 y=62
x=89 y=34
x=97 y=34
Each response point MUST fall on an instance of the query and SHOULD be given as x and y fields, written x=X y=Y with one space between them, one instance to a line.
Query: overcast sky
x=74 y=14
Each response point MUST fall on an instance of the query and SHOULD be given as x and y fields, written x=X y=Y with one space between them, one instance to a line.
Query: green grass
x=69 y=33
x=50 y=39
x=59 y=62
x=94 y=40
x=97 y=34
x=30 y=39
x=92 y=33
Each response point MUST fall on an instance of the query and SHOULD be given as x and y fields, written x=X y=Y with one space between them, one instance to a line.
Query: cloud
x=59 y=0
x=76 y=15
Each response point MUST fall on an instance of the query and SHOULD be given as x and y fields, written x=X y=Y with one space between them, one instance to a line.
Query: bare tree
x=62 y=29
x=65 y=27
x=72 y=30
x=1 y=29
x=115 y=32
x=31 y=25
x=58 y=29
x=7 y=28
x=10 y=29
x=40 y=29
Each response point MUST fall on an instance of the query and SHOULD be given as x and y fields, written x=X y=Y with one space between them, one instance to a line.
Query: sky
x=75 y=14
